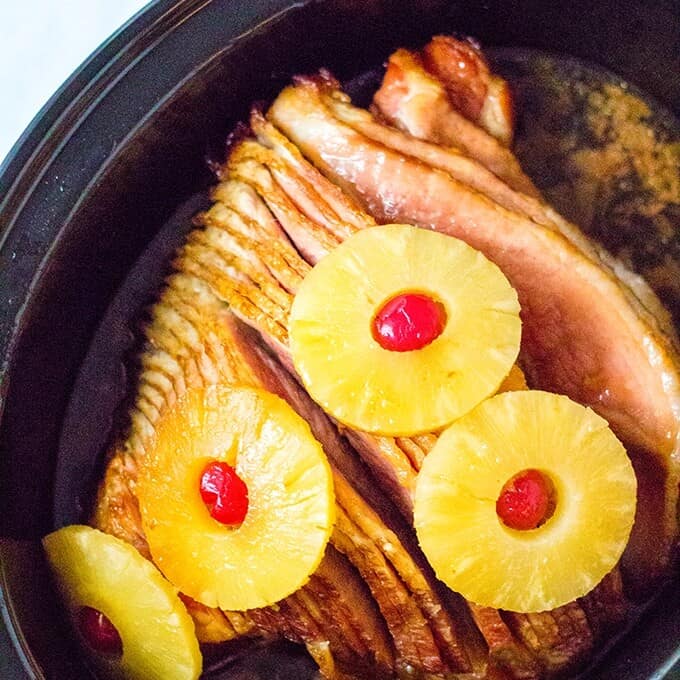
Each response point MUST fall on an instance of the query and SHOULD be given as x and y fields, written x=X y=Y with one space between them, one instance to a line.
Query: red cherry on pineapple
x=409 y=321
x=99 y=633
x=526 y=501
x=224 y=493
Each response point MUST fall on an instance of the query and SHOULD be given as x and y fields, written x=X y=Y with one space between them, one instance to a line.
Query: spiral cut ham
x=309 y=174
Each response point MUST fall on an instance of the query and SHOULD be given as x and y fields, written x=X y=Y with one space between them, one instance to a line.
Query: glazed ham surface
x=307 y=176
x=585 y=332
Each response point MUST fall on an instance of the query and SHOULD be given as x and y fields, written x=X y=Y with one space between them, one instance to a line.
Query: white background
x=41 y=43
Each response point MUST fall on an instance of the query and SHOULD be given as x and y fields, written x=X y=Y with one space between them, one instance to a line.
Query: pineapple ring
x=455 y=517
x=291 y=508
x=97 y=570
x=401 y=393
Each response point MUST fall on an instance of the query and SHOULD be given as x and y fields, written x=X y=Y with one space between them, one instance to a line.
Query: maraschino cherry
x=99 y=633
x=409 y=321
x=224 y=493
x=526 y=501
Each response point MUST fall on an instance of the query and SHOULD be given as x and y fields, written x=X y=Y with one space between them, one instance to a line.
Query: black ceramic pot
x=110 y=161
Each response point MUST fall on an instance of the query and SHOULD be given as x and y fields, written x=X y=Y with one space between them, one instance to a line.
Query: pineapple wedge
x=491 y=564
x=372 y=388
x=290 y=515
x=98 y=571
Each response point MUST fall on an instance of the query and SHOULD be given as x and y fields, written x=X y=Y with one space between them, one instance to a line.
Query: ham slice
x=585 y=333
x=417 y=102
x=473 y=90
x=377 y=521
x=403 y=587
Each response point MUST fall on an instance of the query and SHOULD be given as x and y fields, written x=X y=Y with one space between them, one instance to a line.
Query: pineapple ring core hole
x=527 y=500
x=100 y=635
x=408 y=321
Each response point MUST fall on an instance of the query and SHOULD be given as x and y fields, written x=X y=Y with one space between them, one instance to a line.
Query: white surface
x=41 y=43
